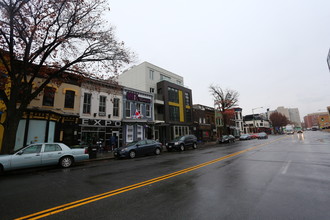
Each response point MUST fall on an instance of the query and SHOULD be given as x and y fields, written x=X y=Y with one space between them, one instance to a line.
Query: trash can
x=92 y=151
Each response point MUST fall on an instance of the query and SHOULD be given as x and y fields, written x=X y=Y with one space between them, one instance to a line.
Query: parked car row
x=43 y=154
x=261 y=135
x=145 y=147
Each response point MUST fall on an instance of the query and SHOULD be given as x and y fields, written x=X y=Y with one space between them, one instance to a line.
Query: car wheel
x=66 y=162
x=132 y=154
x=157 y=151
x=181 y=147
x=195 y=146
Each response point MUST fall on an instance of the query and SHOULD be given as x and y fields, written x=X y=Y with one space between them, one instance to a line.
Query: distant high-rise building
x=292 y=114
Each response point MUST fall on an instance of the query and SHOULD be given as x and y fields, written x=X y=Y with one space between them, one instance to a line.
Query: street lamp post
x=254 y=123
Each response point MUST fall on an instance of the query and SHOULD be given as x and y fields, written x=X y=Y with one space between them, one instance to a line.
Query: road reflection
x=301 y=136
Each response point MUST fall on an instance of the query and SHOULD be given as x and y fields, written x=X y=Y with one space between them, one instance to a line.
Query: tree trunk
x=10 y=129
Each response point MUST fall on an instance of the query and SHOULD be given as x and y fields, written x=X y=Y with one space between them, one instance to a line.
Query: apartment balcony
x=159 y=117
x=159 y=99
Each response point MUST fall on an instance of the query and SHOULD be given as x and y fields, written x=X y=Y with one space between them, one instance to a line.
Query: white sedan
x=43 y=154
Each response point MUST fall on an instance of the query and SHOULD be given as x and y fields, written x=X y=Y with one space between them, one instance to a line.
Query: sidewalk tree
x=49 y=39
x=224 y=100
x=278 y=120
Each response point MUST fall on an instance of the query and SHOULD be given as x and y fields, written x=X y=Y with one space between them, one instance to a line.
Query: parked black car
x=262 y=135
x=138 y=148
x=227 y=139
x=180 y=143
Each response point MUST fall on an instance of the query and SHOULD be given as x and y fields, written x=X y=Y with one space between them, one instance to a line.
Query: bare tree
x=49 y=39
x=223 y=101
x=278 y=120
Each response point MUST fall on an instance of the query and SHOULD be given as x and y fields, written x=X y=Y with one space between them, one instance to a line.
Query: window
x=34 y=149
x=52 y=147
x=152 y=90
x=187 y=98
x=49 y=95
x=148 y=110
x=179 y=82
x=128 y=110
x=151 y=74
x=173 y=95
x=87 y=103
x=138 y=107
x=129 y=133
x=139 y=133
x=163 y=77
x=69 y=99
x=115 y=107
x=174 y=113
x=188 y=115
x=102 y=106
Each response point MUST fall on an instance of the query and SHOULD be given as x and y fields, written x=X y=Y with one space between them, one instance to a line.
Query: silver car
x=43 y=154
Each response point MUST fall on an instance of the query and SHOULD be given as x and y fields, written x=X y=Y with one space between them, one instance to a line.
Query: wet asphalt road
x=285 y=177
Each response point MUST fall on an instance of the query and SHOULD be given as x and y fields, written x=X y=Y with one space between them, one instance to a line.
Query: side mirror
x=20 y=152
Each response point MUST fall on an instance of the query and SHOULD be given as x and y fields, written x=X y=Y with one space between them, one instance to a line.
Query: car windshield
x=225 y=136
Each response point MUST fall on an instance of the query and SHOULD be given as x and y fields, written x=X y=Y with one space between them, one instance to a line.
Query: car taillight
x=86 y=150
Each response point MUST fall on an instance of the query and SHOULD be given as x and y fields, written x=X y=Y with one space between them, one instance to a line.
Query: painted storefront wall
x=138 y=115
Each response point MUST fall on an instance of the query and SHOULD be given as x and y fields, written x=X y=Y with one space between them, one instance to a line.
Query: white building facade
x=100 y=114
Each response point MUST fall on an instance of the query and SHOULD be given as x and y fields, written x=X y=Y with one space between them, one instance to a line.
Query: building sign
x=137 y=97
x=97 y=122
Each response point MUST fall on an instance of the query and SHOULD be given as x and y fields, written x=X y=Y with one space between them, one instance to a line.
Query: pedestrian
x=113 y=141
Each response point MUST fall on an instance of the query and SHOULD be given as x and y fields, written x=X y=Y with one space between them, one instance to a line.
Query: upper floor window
x=115 y=107
x=69 y=99
x=151 y=74
x=174 y=113
x=163 y=77
x=102 y=105
x=179 y=82
x=49 y=96
x=87 y=103
x=187 y=98
x=148 y=110
x=173 y=95
x=152 y=90
x=128 y=110
x=188 y=115
x=138 y=107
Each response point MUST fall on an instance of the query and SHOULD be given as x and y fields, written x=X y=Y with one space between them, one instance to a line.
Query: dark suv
x=180 y=143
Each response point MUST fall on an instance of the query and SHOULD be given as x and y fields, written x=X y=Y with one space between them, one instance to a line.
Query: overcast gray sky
x=273 y=52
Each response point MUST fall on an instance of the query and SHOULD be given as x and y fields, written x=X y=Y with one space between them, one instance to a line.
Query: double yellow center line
x=91 y=199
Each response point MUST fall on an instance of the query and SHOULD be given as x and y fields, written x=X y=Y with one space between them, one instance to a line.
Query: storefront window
x=129 y=133
x=139 y=132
